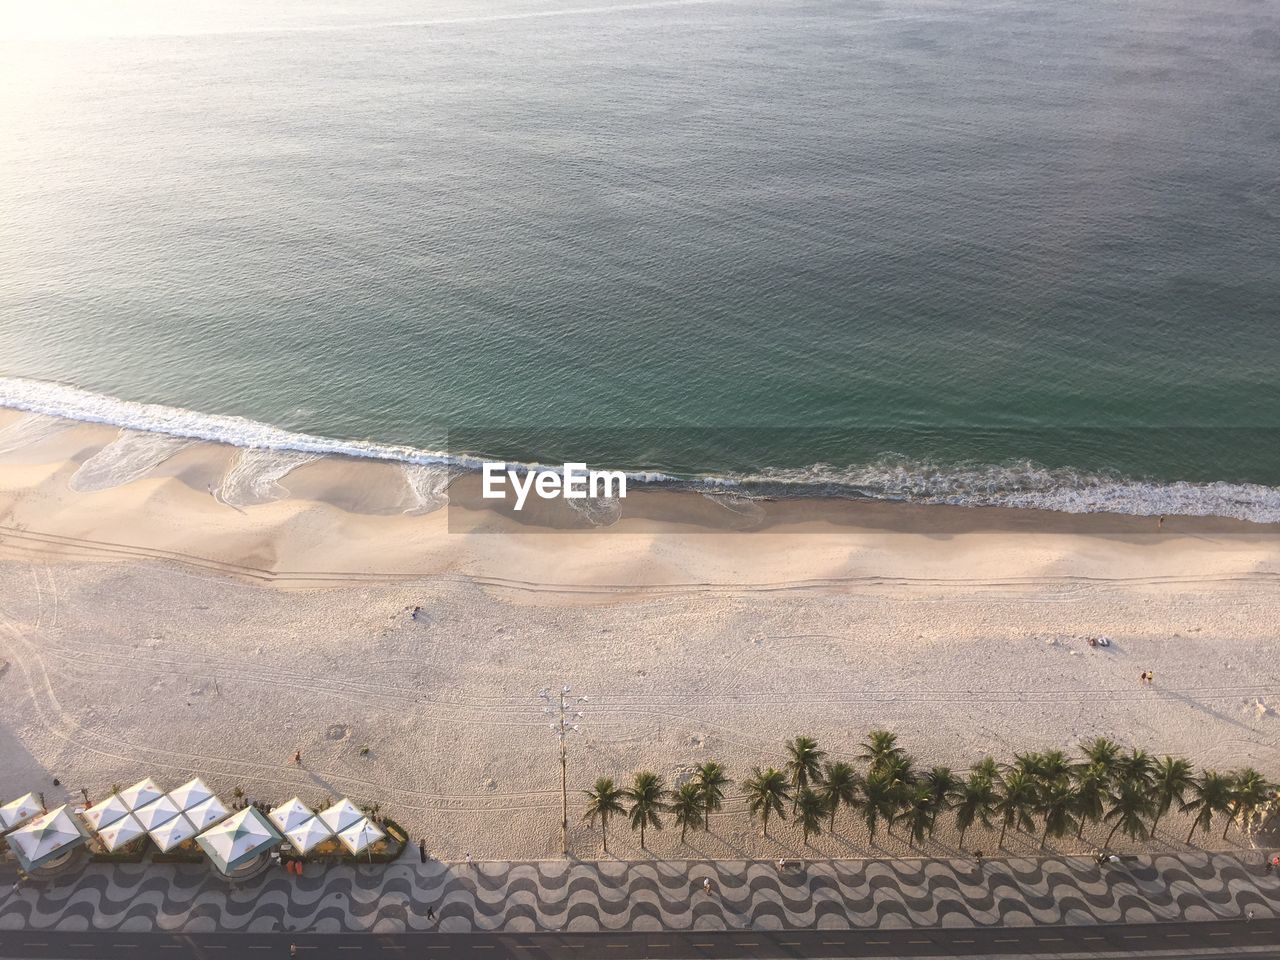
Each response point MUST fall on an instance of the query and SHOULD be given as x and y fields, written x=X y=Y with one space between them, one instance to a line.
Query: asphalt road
x=1176 y=939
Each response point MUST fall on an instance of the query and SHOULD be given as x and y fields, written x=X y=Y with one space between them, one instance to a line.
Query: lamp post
x=561 y=707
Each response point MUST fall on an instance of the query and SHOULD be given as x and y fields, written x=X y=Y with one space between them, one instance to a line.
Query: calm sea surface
x=952 y=248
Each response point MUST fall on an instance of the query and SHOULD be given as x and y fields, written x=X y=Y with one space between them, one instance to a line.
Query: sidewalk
x=647 y=896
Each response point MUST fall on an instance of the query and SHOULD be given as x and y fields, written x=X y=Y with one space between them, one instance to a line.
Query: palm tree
x=839 y=786
x=1029 y=763
x=603 y=801
x=879 y=801
x=1135 y=765
x=711 y=780
x=1054 y=765
x=1057 y=805
x=1131 y=802
x=1102 y=752
x=942 y=784
x=647 y=794
x=973 y=801
x=686 y=805
x=1249 y=791
x=918 y=812
x=1172 y=780
x=1092 y=789
x=987 y=767
x=804 y=765
x=766 y=792
x=1014 y=803
x=879 y=748
x=810 y=809
x=1210 y=794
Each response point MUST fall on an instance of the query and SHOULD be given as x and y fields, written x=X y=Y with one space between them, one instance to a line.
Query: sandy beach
x=176 y=619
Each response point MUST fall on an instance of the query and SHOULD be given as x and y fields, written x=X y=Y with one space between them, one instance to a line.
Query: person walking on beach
x=297 y=757
x=1160 y=522
x=470 y=860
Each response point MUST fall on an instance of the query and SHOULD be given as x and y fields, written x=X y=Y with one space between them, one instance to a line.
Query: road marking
x=917 y=941
x=1093 y=938
x=1051 y=940
x=964 y=941
x=1137 y=936
x=1178 y=936
x=1219 y=934
x=704 y=945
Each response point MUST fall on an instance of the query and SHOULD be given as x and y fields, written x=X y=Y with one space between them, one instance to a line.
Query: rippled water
x=1026 y=248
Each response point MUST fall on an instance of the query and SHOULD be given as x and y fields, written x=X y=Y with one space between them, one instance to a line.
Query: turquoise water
x=923 y=248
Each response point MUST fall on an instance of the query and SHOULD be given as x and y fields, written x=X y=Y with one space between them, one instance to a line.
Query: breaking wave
x=428 y=473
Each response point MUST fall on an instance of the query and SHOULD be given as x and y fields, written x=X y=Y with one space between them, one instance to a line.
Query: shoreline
x=341 y=520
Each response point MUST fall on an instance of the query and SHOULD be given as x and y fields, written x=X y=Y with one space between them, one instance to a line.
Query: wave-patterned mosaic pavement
x=649 y=896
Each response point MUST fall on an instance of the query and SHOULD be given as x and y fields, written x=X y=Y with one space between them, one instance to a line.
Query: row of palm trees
x=1047 y=792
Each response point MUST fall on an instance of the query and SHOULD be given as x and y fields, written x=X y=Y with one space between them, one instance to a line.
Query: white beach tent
x=238 y=839
x=307 y=835
x=141 y=793
x=107 y=812
x=46 y=838
x=17 y=812
x=172 y=832
x=120 y=831
x=190 y=794
x=341 y=815
x=358 y=836
x=290 y=814
x=205 y=815
x=157 y=812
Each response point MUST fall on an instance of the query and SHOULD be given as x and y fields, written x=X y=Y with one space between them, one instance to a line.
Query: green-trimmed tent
x=238 y=839
x=46 y=838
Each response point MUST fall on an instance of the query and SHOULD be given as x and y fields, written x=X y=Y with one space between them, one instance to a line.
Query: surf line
x=573 y=481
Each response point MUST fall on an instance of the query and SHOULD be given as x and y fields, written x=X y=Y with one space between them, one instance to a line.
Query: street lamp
x=561 y=707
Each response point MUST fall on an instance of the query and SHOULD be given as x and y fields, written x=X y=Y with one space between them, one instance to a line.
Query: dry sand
x=148 y=627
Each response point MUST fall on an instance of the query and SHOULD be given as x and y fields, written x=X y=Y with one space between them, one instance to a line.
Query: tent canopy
x=341 y=815
x=206 y=814
x=117 y=834
x=172 y=832
x=190 y=793
x=290 y=814
x=46 y=837
x=308 y=835
x=17 y=812
x=141 y=793
x=107 y=812
x=157 y=812
x=358 y=836
x=238 y=839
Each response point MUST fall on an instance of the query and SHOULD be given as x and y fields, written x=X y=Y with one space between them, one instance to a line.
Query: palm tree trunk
x=1159 y=814
x=683 y=828
x=1193 y=831
x=641 y=834
x=1111 y=834
x=805 y=828
x=1228 y=829
x=961 y=843
x=1004 y=825
x=604 y=834
x=1080 y=831
x=765 y=818
x=1044 y=835
x=832 y=827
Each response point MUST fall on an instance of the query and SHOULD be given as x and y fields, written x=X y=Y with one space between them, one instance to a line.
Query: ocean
x=1018 y=252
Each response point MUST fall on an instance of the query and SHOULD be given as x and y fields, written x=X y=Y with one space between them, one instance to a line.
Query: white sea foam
x=1025 y=485
x=131 y=456
x=255 y=476
x=428 y=486
x=30 y=429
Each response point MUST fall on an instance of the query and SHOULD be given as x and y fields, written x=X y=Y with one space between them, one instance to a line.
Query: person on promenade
x=470 y=860
x=706 y=885
x=431 y=914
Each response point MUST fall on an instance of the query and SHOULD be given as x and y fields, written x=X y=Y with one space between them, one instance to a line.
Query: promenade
x=639 y=897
